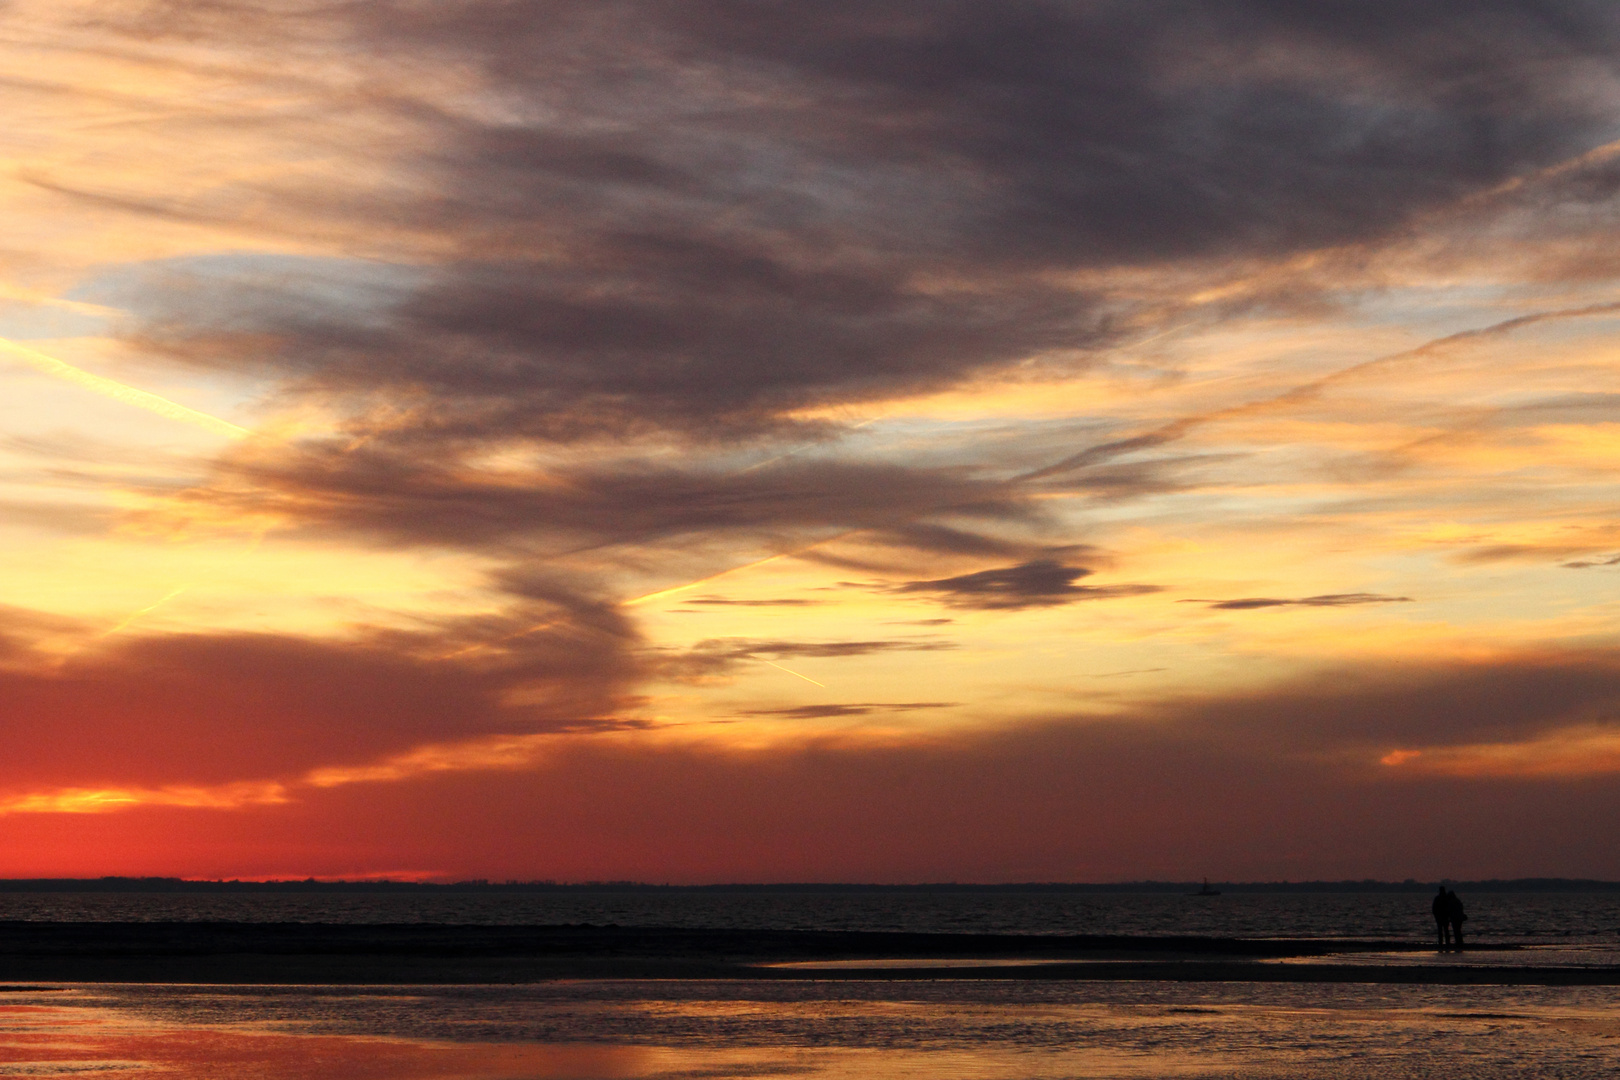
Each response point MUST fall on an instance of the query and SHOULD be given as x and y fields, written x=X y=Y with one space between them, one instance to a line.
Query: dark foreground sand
x=293 y=953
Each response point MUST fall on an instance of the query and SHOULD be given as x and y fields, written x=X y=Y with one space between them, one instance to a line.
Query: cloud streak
x=1251 y=603
x=1038 y=583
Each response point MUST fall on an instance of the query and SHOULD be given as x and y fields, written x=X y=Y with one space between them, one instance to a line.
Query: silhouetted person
x=1442 y=916
x=1455 y=915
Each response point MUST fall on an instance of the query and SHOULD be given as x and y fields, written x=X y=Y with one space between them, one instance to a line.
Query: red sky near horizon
x=728 y=440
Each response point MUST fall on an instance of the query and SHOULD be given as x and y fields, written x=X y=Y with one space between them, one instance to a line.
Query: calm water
x=1508 y=918
x=819 y=1031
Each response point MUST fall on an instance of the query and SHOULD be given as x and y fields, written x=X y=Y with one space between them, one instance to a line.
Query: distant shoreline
x=310 y=885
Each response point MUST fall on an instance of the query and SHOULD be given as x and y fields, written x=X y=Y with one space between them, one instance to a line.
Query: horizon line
x=140 y=883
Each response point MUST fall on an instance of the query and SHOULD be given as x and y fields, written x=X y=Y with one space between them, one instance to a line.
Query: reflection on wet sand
x=42 y=1041
x=1001 y=1030
x=46 y=1041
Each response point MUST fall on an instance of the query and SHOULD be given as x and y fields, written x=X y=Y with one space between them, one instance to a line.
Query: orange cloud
x=499 y=752
x=108 y=800
x=1570 y=753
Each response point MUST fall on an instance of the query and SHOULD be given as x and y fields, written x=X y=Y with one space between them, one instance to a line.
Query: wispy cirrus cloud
x=1252 y=603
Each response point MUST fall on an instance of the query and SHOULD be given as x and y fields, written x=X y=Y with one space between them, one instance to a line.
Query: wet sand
x=811 y=1030
x=303 y=953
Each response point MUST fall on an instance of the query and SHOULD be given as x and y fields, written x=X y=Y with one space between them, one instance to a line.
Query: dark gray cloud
x=1038 y=583
x=700 y=214
x=410 y=498
x=1123 y=131
x=1250 y=603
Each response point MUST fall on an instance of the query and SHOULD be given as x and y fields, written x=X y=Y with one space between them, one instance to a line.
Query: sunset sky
x=740 y=440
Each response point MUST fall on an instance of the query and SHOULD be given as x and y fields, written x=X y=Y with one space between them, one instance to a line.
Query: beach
x=963 y=985
x=816 y=1029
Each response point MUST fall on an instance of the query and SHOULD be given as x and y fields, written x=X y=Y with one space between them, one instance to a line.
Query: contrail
x=480 y=646
x=147 y=610
x=50 y=365
x=870 y=420
x=790 y=671
x=635 y=600
x=1174 y=430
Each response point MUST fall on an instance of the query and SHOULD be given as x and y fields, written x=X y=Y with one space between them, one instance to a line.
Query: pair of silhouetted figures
x=1448 y=917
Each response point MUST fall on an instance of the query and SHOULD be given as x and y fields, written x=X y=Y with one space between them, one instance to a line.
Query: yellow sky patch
x=129 y=395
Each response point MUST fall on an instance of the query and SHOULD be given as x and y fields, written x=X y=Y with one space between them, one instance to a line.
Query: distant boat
x=1205 y=890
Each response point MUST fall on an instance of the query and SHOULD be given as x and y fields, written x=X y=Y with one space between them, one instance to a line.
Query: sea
x=1538 y=918
x=847 y=1028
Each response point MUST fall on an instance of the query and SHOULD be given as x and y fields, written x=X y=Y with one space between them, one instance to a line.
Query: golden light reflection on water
x=49 y=1041
x=46 y=1042
x=849 y=1031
